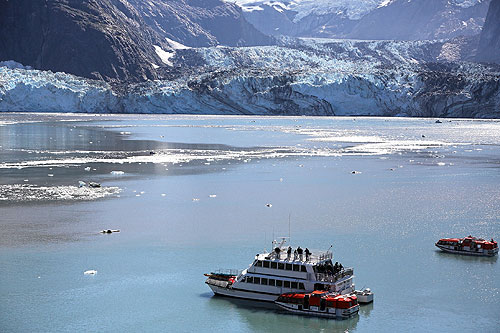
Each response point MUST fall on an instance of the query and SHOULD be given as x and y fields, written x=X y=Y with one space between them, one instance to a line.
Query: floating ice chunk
x=441 y=163
x=50 y=175
x=196 y=199
x=109 y=231
x=163 y=195
x=117 y=172
x=354 y=172
x=81 y=183
x=90 y=272
x=212 y=196
x=26 y=180
x=87 y=169
x=269 y=205
x=94 y=185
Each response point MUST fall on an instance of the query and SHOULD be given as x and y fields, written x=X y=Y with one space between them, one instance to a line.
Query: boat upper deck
x=284 y=257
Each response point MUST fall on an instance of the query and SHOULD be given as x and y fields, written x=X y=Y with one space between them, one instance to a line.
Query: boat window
x=274 y=264
x=301 y=286
x=294 y=285
x=258 y=263
x=256 y=280
x=249 y=279
x=263 y=281
x=279 y=283
x=266 y=264
x=271 y=282
x=287 y=284
x=281 y=265
x=296 y=268
x=303 y=269
x=288 y=267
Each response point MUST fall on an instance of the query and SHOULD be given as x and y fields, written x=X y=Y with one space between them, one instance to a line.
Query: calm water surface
x=416 y=182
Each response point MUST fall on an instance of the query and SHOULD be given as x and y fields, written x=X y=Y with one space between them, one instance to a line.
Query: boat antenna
x=289 y=237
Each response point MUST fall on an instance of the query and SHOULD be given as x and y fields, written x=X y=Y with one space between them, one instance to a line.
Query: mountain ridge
x=489 y=43
x=110 y=39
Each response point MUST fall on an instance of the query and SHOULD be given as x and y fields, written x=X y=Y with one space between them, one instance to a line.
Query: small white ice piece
x=90 y=272
x=87 y=169
x=269 y=205
x=117 y=173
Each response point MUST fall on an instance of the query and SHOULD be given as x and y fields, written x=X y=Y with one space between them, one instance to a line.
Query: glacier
x=319 y=77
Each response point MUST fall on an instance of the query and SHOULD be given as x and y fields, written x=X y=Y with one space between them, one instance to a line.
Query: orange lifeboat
x=319 y=304
x=468 y=245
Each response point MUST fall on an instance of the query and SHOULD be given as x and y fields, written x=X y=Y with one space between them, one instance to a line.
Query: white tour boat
x=284 y=270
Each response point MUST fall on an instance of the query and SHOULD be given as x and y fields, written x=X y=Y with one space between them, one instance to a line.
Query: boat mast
x=289 y=238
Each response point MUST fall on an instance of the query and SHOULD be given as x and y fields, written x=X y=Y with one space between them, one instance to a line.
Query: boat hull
x=367 y=298
x=243 y=294
x=489 y=253
x=315 y=312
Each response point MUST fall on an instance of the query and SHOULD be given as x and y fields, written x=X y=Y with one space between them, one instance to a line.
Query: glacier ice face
x=306 y=77
x=33 y=90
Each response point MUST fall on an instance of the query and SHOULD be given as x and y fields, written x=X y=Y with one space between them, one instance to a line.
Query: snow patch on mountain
x=351 y=9
x=164 y=55
x=176 y=45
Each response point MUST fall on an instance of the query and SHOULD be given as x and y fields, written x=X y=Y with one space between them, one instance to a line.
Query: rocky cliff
x=200 y=22
x=95 y=39
x=115 y=39
x=489 y=43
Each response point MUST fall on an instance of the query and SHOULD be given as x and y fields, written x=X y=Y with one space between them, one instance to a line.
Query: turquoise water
x=417 y=181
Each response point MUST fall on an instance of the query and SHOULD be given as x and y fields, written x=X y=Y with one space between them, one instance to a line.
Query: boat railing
x=234 y=272
x=325 y=277
x=325 y=256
